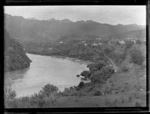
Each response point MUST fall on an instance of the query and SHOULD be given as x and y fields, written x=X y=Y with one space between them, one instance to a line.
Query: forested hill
x=15 y=56
x=52 y=30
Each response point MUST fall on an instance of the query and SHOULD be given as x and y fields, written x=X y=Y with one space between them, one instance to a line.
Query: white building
x=98 y=38
x=94 y=44
x=85 y=44
x=122 y=42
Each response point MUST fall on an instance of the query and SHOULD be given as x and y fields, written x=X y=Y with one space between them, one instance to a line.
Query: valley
x=115 y=75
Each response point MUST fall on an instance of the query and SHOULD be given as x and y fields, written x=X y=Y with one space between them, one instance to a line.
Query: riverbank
x=52 y=99
x=106 y=85
x=126 y=89
x=81 y=61
x=14 y=54
x=44 y=70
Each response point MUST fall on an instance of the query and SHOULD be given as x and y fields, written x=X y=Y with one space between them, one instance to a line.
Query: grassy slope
x=124 y=89
x=121 y=90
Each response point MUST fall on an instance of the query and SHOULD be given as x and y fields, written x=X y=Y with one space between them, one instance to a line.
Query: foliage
x=129 y=44
x=85 y=75
x=96 y=66
x=15 y=57
x=136 y=56
x=48 y=90
x=126 y=66
x=102 y=75
x=69 y=92
x=81 y=85
x=98 y=72
x=44 y=99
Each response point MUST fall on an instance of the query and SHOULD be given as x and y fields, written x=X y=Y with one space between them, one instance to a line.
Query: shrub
x=97 y=93
x=96 y=66
x=125 y=69
x=48 y=89
x=102 y=75
x=81 y=85
x=136 y=56
x=126 y=66
x=85 y=75
x=70 y=92
x=129 y=44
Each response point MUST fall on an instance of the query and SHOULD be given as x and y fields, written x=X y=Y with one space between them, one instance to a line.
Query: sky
x=103 y=14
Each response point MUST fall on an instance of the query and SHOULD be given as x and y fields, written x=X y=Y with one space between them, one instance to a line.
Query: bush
x=129 y=44
x=81 y=85
x=48 y=89
x=70 y=91
x=97 y=93
x=125 y=69
x=102 y=75
x=126 y=66
x=85 y=75
x=136 y=56
x=97 y=66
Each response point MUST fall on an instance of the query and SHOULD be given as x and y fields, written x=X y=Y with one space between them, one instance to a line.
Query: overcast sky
x=103 y=14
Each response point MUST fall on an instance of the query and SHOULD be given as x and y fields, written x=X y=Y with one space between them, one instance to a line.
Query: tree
x=96 y=66
x=81 y=85
x=48 y=89
x=129 y=44
x=85 y=75
x=136 y=56
x=102 y=75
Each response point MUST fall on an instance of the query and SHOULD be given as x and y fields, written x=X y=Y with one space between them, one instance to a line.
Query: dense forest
x=15 y=56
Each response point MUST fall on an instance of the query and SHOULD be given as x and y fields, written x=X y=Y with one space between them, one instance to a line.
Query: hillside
x=135 y=34
x=116 y=75
x=105 y=87
x=126 y=89
x=15 y=57
x=52 y=30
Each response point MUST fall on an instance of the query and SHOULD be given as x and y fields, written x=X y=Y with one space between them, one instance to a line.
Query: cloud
x=102 y=14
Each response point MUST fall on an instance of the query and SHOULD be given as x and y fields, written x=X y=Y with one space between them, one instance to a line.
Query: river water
x=43 y=70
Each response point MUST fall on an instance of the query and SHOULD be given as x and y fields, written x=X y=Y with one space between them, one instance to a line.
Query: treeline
x=90 y=50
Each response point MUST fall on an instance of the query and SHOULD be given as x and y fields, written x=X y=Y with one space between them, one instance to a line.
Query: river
x=43 y=70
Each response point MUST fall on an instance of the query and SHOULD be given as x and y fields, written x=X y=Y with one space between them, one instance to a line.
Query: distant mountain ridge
x=52 y=30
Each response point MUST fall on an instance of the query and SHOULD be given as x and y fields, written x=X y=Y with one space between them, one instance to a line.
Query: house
x=94 y=44
x=122 y=42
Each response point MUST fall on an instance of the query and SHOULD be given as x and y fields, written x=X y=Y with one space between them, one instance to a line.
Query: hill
x=15 y=57
x=52 y=30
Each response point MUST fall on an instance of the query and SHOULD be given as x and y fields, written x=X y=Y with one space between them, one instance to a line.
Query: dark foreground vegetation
x=15 y=56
